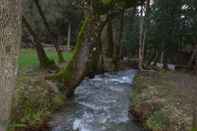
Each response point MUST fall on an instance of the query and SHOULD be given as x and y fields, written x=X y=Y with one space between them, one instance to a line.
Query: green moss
x=194 y=129
x=81 y=34
x=59 y=100
x=158 y=121
x=107 y=2
x=67 y=72
x=34 y=102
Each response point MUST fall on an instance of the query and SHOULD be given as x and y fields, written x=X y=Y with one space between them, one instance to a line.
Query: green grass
x=28 y=58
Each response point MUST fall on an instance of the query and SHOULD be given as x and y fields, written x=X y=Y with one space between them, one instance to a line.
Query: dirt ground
x=166 y=101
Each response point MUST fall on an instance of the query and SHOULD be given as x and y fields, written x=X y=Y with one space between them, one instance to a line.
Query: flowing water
x=100 y=104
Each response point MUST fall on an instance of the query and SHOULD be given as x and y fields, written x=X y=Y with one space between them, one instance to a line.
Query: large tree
x=87 y=55
x=10 y=38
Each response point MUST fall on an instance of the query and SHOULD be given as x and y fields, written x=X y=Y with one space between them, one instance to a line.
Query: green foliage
x=127 y=3
x=107 y=2
x=106 y=6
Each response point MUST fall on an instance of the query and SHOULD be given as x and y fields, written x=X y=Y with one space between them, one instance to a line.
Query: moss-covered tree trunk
x=10 y=38
x=88 y=54
x=86 y=50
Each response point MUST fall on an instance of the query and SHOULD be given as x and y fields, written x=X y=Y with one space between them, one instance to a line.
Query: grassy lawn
x=28 y=58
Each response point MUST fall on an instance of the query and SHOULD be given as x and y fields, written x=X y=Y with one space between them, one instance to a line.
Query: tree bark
x=165 y=60
x=146 y=26
x=85 y=51
x=110 y=39
x=84 y=55
x=192 y=58
x=144 y=23
x=108 y=46
x=10 y=39
x=120 y=55
x=195 y=65
x=141 y=44
x=156 y=59
x=58 y=50
x=69 y=35
x=152 y=56
x=44 y=61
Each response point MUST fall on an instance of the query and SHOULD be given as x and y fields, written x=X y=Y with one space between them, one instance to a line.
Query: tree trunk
x=82 y=62
x=165 y=60
x=58 y=50
x=143 y=32
x=156 y=59
x=162 y=58
x=69 y=35
x=192 y=58
x=152 y=57
x=110 y=39
x=44 y=61
x=116 y=53
x=120 y=55
x=108 y=46
x=146 y=25
x=10 y=39
x=141 y=44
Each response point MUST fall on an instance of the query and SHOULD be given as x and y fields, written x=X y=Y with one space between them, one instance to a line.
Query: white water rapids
x=100 y=104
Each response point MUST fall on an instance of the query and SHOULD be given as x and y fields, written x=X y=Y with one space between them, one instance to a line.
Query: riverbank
x=165 y=101
x=35 y=99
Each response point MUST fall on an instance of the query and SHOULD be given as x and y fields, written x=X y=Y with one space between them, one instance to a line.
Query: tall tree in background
x=69 y=35
x=10 y=38
x=141 y=38
x=191 y=20
x=168 y=27
x=143 y=13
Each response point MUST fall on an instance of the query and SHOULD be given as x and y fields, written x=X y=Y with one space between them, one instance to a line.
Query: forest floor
x=165 y=101
x=35 y=97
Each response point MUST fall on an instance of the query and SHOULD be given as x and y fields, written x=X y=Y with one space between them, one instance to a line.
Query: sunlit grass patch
x=28 y=58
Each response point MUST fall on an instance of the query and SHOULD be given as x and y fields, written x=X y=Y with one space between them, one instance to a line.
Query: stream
x=100 y=104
